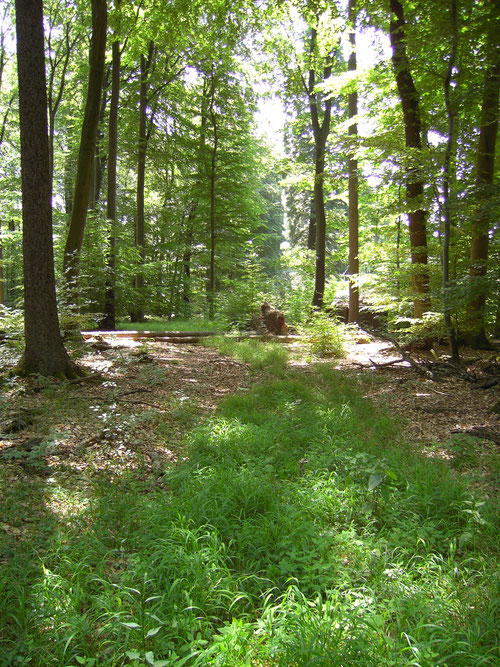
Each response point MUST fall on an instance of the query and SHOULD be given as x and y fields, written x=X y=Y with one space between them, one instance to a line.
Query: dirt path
x=154 y=392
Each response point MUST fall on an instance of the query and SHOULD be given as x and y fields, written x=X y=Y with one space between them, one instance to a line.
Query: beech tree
x=414 y=185
x=44 y=351
x=83 y=184
x=485 y=171
x=353 y=177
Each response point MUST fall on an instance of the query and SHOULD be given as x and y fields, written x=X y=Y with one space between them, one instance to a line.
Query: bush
x=324 y=335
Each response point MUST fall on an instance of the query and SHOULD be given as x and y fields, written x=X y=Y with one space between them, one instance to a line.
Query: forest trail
x=149 y=394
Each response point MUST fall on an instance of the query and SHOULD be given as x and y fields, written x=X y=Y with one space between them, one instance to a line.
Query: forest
x=181 y=482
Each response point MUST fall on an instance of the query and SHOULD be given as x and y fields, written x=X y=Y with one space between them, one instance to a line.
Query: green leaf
x=464 y=538
x=132 y=626
x=133 y=655
x=150 y=658
x=374 y=481
x=153 y=631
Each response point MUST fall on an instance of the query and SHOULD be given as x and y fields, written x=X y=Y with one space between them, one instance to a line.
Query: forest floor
x=147 y=521
x=142 y=397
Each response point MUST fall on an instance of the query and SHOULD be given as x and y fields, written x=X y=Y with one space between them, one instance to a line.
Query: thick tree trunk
x=87 y=145
x=353 y=179
x=109 y=320
x=484 y=180
x=414 y=185
x=44 y=351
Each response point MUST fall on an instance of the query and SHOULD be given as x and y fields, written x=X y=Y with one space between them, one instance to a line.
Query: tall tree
x=353 y=177
x=320 y=123
x=447 y=177
x=485 y=171
x=83 y=184
x=144 y=134
x=414 y=185
x=213 y=182
x=109 y=320
x=44 y=351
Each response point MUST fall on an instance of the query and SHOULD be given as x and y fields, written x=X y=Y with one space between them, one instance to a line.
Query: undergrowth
x=269 y=357
x=299 y=530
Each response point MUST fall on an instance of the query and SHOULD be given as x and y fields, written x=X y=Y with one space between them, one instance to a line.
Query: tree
x=485 y=171
x=109 y=320
x=414 y=186
x=451 y=114
x=353 y=177
x=321 y=130
x=44 y=351
x=144 y=135
x=83 y=184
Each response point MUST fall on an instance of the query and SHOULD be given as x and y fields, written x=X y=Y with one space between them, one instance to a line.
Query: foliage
x=324 y=334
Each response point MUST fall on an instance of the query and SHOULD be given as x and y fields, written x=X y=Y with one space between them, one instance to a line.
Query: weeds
x=298 y=531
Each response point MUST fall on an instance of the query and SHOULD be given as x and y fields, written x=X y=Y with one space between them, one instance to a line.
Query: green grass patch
x=300 y=530
x=267 y=357
x=171 y=325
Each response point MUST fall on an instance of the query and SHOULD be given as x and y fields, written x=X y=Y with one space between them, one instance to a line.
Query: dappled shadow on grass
x=28 y=531
x=298 y=531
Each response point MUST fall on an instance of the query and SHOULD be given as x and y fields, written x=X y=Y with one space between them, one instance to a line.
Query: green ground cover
x=170 y=325
x=299 y=529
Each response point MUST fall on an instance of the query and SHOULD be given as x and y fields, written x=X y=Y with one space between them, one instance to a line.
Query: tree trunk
x=320 y=133
x=44 y=351
x=2 y=290
x=353 y=179
x=87 y=145
x=414 y=185
x=450 y=112
x=484 y=181
x=311 y=232
x=140 y=236
x=213 y=177
x=109 y=320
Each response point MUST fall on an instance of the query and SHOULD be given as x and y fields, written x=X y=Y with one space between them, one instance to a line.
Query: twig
x=386 y=363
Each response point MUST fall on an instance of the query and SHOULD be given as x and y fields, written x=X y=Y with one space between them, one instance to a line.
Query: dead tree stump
x=274 y=320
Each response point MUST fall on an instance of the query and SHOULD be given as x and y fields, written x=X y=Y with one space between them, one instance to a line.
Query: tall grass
x=300 y=530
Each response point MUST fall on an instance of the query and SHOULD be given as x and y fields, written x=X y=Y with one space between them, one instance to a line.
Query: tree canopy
x=188 y=208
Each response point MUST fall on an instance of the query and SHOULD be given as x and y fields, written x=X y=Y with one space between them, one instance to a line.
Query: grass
x=299 y=530
x=170 y=325
x=261 y=357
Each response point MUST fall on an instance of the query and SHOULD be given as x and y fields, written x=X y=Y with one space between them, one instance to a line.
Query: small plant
x=324 y=335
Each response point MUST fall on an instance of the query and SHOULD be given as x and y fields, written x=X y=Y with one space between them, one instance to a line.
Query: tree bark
x=140 y=236
x=321 y=131
x=87 y=145
x=109 y=320
x=353 y=178
x=484 y=180
x=2 y=290
x=414 y=185
x=451 y=114
x=44 y=351
x=213 y=178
